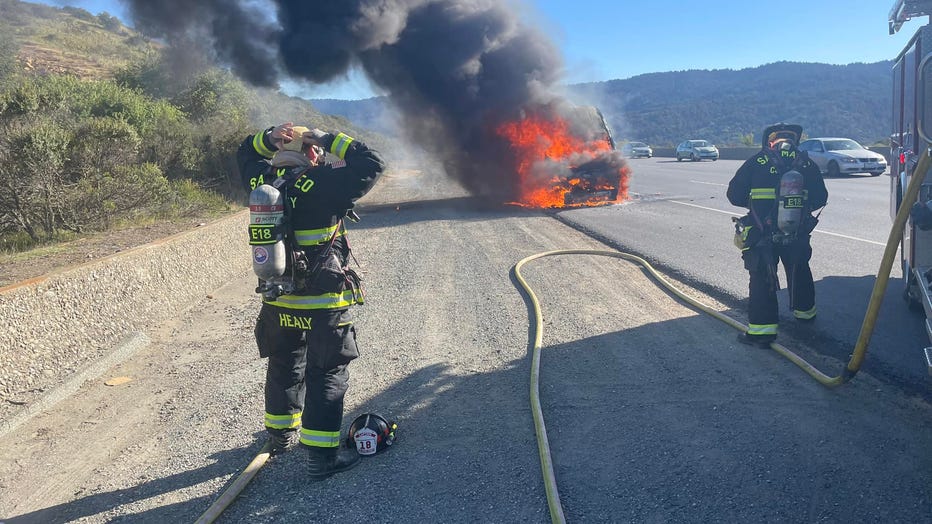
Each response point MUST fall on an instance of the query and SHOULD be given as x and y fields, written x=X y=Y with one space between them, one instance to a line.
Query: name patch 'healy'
x=288 y=320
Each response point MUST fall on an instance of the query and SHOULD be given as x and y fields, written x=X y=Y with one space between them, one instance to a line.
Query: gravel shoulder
x=654 y=412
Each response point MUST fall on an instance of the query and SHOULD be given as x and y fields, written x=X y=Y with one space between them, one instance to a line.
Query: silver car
x=637 y=150
x=696 y=150
x=837 y=156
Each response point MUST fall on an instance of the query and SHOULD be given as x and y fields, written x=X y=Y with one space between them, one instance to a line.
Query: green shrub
x=15 y=241
x=189 y=199
x=100 y=199
x=102 y=144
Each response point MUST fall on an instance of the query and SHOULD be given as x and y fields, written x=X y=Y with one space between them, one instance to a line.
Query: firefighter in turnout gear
x=304 y=326
x=781 y=188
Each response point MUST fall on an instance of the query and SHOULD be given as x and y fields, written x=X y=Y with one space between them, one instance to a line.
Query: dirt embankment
x=65 y=320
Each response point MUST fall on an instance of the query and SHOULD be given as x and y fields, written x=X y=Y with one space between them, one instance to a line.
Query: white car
x=696 y=150
x=837 y=156
x=637 y=150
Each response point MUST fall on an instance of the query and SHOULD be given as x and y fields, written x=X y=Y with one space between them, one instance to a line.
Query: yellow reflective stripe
x=259 y=145
x=320 y=439
x=805 y=315
x=340 y=144
x=292 y=420
x=762 y=329
x=313 y=237
x=325 y=301
x=763 y=193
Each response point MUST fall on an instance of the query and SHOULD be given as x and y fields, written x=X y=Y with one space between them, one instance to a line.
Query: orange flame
x=536 y=140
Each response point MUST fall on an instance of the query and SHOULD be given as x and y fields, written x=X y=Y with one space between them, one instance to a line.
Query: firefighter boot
x=282 y=439
x=761 y=341
x=323 y=462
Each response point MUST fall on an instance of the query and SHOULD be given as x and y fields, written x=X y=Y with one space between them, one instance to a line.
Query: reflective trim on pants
x=291 y=420
x=762 y=329
x=320 y=439
x=805 y=315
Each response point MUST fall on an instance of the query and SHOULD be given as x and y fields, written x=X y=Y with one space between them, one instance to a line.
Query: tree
x=32 y=181
x=109 y=22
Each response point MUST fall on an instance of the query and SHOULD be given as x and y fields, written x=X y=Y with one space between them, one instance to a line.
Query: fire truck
x=912 y=135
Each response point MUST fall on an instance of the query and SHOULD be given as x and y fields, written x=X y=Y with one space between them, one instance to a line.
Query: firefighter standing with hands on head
x=311 y=180
x=781 y=187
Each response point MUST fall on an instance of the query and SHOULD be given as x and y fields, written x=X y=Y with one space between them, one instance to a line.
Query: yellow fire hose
x=883 y=275
x=860 y=348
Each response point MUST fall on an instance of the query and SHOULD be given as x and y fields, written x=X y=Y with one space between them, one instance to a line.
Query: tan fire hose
x=237 y=487
x=854 y=364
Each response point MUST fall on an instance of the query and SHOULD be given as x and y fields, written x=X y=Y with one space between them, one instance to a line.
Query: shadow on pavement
x=101 y=503
x=670 y=421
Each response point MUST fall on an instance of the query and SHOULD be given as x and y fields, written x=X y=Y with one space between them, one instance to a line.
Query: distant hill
x=723 y=106
x=374 y=112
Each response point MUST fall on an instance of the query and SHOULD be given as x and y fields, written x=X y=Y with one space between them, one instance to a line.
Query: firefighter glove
x=317 y=137
x=282 y=134
x=746 y=235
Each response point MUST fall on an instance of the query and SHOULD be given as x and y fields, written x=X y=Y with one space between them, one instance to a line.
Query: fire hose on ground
x=550 y=486
x=850 y=370
x=229 y=495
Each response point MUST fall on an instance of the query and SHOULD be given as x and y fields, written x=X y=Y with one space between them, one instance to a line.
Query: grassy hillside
x=69 y=40
x=115 y=133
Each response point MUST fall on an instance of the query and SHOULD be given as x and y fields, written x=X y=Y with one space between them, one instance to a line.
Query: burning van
x=564 y=156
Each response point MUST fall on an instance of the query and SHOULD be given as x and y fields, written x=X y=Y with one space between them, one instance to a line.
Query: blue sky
x=609 y=39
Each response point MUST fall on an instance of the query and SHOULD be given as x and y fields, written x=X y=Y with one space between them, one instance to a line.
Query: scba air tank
x=790 y=210
x=266 y=215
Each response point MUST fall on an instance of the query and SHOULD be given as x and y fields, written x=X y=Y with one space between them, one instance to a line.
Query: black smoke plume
x=455 y=69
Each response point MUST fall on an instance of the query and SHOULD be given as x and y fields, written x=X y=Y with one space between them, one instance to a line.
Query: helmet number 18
x=367 y=441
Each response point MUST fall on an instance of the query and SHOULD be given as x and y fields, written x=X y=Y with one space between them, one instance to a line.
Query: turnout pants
x=307 y=375
x=761 y=263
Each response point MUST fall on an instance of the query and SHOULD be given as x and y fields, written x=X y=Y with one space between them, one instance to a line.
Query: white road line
x=816 y=231
x=850 y=237
x=708 y=183
x=706 y=208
